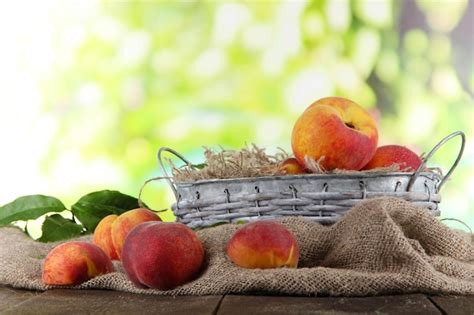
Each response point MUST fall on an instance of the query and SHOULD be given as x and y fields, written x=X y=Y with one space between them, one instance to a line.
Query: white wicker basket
x=320 y=197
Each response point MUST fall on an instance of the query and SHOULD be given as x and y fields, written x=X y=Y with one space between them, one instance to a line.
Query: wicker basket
x=319 y=197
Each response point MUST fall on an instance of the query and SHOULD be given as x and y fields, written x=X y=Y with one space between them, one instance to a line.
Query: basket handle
x=140 y=201
x=163 y=169
x=433 y=151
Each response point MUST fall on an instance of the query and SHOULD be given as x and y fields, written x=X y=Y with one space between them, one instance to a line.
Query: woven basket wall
x=323 y=198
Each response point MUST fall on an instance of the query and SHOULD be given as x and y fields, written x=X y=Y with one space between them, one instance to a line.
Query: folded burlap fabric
x=381 y=246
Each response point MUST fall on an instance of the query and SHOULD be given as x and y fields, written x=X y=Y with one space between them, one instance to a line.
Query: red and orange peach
x=162 y=255
x=103 y=236
x=337 y=133
x=388 y=155
x=126 y=222
x=263 y=244
x=291 y=166
x=72 y=263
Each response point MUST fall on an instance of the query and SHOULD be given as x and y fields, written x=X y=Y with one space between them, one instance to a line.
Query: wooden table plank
x=113 y=302
x=16 y=301
x=394 y=304
x=10 y=297
x=455 y=304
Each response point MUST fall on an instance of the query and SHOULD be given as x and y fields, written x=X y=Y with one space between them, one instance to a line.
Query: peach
x=291 y=166
x=162 y=255
x=103 y=236
x=387 y=155
x=72 y=263
x=336 y=132
x=126 y=222
x=263 y=244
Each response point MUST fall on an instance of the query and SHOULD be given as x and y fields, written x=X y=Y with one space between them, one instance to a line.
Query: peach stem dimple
x=350 y=125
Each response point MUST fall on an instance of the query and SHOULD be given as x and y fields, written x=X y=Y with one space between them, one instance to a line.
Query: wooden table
x=14 y=301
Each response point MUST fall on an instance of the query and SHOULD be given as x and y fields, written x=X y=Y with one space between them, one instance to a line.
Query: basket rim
x=431 y=175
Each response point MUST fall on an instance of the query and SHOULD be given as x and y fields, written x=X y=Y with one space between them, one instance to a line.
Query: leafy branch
x=89 y=210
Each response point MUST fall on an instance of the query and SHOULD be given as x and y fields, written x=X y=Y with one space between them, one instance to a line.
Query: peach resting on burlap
x=263 y=244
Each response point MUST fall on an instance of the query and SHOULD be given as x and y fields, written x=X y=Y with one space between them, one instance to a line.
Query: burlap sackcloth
x=381 y=246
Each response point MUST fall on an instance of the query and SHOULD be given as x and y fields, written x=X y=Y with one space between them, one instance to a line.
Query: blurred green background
x=89 y=90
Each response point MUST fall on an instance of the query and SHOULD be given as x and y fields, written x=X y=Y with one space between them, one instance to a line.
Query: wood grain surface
x=15 y=301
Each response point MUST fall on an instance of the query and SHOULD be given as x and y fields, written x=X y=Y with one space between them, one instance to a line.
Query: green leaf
x=91 y=208
x=199 y=166
x=57 y=228
x=29 y=208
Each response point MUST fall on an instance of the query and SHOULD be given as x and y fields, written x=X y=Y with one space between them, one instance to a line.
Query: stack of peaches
x=335 y=132
x=339 y=134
